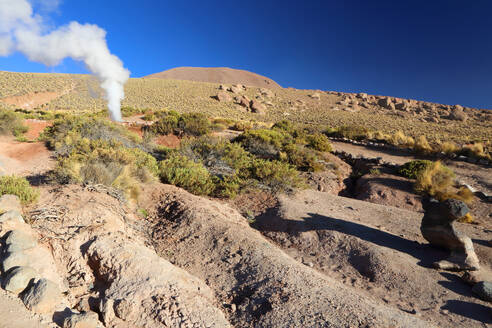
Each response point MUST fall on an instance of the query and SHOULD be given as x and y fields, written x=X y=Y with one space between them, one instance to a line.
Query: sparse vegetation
x=413 y=169
x=11 y=123
x=94 y=151
x=20 y=187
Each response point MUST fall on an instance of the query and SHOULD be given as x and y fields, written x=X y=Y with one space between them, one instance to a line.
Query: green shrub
x=183 y=172
x=241 y=126
x=277 y=176
x=130 y=111
x=190 y=124
x=319 y=142
x=11 y=123
x=304 y=159
x=12 y=185
x=194 y=124
x=63 y=134
x=265 y=143
x=412 y=169
x=353 y=132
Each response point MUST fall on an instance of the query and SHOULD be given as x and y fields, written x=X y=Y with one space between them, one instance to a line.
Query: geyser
x=23 y=31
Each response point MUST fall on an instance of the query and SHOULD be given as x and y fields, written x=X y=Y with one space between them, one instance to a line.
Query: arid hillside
x=217 y=75
x=313 y=108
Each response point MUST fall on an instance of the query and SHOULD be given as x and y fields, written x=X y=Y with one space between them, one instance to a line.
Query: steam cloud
x=23 y=31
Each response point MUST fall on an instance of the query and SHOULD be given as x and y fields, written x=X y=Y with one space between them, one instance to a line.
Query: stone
x=11 y=215
x=484 y=290
x=14 y=259
x=386 y=103
x=458 y=115
x=257 y=107
x=473 y=277
x=235 y=89
x=10 y=203
x=82 y=320
x=437 y=228
x=106 y=308
x=42 y=297
x=18 y=279
x=315 y=96
x=267 y=93
x=223 y=97
x=244 y=101
x=18 y=240
x=222 y=87
x=124 y=309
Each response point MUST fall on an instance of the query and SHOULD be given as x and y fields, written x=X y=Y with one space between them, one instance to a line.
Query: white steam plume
x=21 y=30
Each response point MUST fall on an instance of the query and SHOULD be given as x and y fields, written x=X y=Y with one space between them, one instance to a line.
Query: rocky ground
x=83 y=257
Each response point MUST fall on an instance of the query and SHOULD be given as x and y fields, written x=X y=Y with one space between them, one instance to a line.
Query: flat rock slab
x=10 y=202
x=14 y=259
x=18 y=240
x=82 y=320
x=13 y=215
x=18 y=279
x=42 y=297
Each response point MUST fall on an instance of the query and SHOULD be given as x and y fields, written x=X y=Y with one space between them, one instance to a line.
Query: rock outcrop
x=437 y=228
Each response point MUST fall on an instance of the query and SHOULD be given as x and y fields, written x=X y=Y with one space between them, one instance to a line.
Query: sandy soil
x=13 y=314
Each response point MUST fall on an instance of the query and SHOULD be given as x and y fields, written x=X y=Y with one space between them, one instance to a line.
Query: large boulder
x=458 y=114
x=141 y=284
x=437 y=228
x=386 y=102
x=18 y=279
x=257 y=107
x=235 y=89
x=14 y=259
x=223 y=97
x=267 y=93
x=484 y=290
x=11 y=215
x=42 y=297
x=19 y=240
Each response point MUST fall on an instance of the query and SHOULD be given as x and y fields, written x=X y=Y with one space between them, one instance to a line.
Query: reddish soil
x=169 y=140
x=136 y=129
x=22 y=158
x=35 y=128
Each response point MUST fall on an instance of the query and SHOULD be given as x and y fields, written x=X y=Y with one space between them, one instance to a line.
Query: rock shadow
x=272 y=222
x=478 y=312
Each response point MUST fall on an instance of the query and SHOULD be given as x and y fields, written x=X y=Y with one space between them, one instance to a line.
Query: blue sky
x=439 y=50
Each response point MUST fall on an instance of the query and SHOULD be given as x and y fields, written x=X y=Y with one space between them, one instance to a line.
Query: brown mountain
x=217 y=75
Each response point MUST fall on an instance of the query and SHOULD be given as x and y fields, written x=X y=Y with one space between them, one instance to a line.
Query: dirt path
x=477 y=176
x=24 y=159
